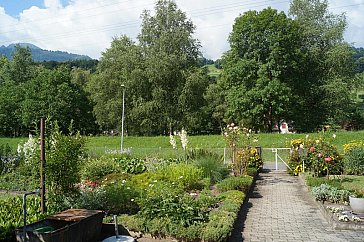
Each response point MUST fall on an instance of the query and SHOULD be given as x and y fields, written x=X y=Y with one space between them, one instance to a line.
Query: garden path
x=281 y=209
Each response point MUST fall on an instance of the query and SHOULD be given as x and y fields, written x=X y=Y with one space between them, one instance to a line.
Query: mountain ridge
x=40 y=55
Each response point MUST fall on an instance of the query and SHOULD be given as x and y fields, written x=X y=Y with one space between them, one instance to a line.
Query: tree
x=170 y=53
x=156 y=72
x=328 y=64
x=51 y=94
x=260 y=68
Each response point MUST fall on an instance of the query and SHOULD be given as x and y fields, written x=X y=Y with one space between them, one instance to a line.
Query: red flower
x=328 y=159
x=312 y=149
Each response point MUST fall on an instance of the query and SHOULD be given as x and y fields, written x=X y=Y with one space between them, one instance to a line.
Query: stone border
x=330 y=217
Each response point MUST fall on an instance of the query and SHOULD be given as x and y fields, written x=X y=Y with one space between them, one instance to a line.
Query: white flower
x=307 y=136
x=123 y=181
x=128 y=188
x=180 y=177
x=255 y=140
x=132 y=199
x=334 y=136
x=184 y=139
x=172 y=141
x=232 y=124
x=226 y=134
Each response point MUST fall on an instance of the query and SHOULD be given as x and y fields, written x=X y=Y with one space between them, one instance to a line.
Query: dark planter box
x=73 y=225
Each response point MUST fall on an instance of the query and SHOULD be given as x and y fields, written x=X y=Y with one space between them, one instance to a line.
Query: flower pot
x=357 y=204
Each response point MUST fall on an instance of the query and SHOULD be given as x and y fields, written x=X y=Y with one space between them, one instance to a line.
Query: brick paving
x=281 y=209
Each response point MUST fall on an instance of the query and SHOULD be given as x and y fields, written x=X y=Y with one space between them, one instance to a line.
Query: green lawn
x=160 y=144
x=213 y=71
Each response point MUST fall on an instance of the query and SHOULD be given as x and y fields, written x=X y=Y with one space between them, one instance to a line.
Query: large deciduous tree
x=327 y=70
x=158 y=72
x=260 y=67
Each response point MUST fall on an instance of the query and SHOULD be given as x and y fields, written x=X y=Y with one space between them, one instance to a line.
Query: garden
x=193 y=196
x=335 y=177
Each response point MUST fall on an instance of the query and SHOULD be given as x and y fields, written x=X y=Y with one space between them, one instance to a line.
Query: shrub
x=187 y=176
x=325 y=192
x=323 y=158
x=8 y=160
x=64 y=156
x=212 y=167
x=132 y=165
x=11 y=215
x=221 y=221
x=164 y=200
x=120 y=197
x=354 y=161
x=241 y=183
x=96 y=169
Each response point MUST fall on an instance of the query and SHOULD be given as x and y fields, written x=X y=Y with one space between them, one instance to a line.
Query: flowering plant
x=240 y=141
x=323 y=158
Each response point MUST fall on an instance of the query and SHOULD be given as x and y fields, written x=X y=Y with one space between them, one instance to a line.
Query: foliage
x=354 y=160
x=132 y=165
x=221 y=221
x=322 y=157
x=121 y=197
x=244 y=155
x=259 y=68
x=11 y=215
x=164 y=85
x=241 y=183
x=295 y=156
x=96 y=169
x=165 y=200
x=64 y=156
x=8 y=160
x=186 y=176
x=212 y=166
x=326 y=192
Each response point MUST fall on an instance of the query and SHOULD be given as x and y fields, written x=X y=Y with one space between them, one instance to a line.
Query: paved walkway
x=281 y=209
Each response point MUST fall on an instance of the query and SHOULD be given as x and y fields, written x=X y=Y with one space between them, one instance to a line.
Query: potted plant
x=357 y=201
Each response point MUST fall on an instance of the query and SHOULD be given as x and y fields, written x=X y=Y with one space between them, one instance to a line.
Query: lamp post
x=122 y=120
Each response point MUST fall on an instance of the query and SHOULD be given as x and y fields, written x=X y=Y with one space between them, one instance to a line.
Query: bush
x=221 y=221
x=64 y=156
x=323 y=158
x=184 y=175
x=212 y=167
x=11 y=215
x=164 y=200
x=96 y=169
x=8 y=160
x=120 y=197
x=241 y=183
x=325 y=192
x=354 y=161
x=317 y=181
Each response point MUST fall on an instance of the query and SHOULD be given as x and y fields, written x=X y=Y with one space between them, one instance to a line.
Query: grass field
x=144 y=146
x=213 y=71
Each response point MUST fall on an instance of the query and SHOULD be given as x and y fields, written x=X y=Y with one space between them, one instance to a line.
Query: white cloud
x=88 y=26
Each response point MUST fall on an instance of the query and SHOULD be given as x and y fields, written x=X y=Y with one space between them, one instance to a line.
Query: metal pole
x=122 y=120
x=42 y=164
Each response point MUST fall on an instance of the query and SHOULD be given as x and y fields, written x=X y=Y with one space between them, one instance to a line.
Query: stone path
x=281 y=209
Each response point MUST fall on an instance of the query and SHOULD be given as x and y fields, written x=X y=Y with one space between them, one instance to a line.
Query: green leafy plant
x=325 y=192
x=241 y=183
x=212 y=166
x=187 y=176
x=64 y=156
x=354 y=161
x=323 y=158
x=96 y=169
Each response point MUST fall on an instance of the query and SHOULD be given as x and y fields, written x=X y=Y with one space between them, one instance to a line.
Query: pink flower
x=328 y=159
x=312 y=149
x=319 y=155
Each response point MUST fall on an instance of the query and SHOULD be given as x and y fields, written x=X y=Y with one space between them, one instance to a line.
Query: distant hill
x=40 y=55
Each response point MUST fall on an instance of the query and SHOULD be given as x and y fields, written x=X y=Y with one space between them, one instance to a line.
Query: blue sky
x=88 y=26
x=14 y=7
